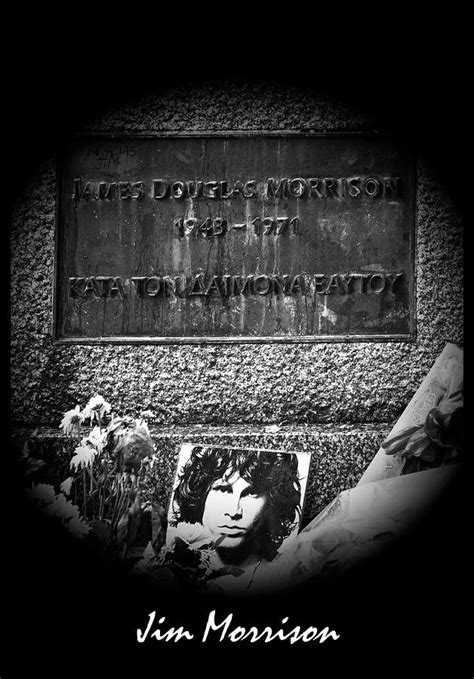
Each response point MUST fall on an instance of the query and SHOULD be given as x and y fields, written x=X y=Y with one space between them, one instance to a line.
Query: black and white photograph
x=235 y=334
x=238 y=510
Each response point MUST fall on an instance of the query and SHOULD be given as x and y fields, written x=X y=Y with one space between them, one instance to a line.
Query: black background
x=64 y=613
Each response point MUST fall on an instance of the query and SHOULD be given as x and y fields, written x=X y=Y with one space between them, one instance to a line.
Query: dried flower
x=84 y=457
x=71 y=420
x=130 y=442
x=151 y=461
x=96 y=408
x=96 y=438
x=66 y=485
x=104 y=474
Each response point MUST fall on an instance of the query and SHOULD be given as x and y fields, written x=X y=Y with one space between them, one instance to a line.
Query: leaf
x=398 y=442
x=66 y=485
x=417 y=443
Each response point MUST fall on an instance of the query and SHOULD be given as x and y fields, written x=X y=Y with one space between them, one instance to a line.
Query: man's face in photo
x=232 y=510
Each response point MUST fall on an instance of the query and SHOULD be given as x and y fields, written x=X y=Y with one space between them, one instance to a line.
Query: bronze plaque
x=235 y=238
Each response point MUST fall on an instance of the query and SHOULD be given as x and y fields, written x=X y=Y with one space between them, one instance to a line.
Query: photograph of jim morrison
x=237 y=510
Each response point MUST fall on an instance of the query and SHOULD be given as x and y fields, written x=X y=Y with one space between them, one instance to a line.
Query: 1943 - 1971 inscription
x=231 y=238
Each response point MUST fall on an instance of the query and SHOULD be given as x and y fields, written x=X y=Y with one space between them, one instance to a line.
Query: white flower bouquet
x=100 y=498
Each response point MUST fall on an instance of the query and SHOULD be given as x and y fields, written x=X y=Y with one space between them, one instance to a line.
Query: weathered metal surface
x=257 y=238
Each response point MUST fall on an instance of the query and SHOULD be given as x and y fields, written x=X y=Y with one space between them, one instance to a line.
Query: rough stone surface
x=337 y=383
x=321 y=383
x=337 y=400
x=339 y=455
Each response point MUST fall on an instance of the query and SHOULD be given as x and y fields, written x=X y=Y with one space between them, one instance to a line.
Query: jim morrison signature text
x=224 y=630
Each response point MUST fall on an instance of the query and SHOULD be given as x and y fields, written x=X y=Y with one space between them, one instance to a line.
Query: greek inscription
x=321 y=282
x=262 y=285
x=214 y=286
x=377 y=283
x=152 y=286
x=228 y=285
x=176 y=238
x=171 y=286
x=267 y=224
x=96 y=287
x=333 y=285
x=197 y=286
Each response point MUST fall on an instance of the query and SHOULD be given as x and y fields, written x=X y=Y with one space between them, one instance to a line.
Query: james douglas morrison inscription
x=186 y=238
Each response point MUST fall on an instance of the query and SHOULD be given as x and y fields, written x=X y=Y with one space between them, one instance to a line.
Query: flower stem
x=117 y=496
x=101 y=503
x=84 y=499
